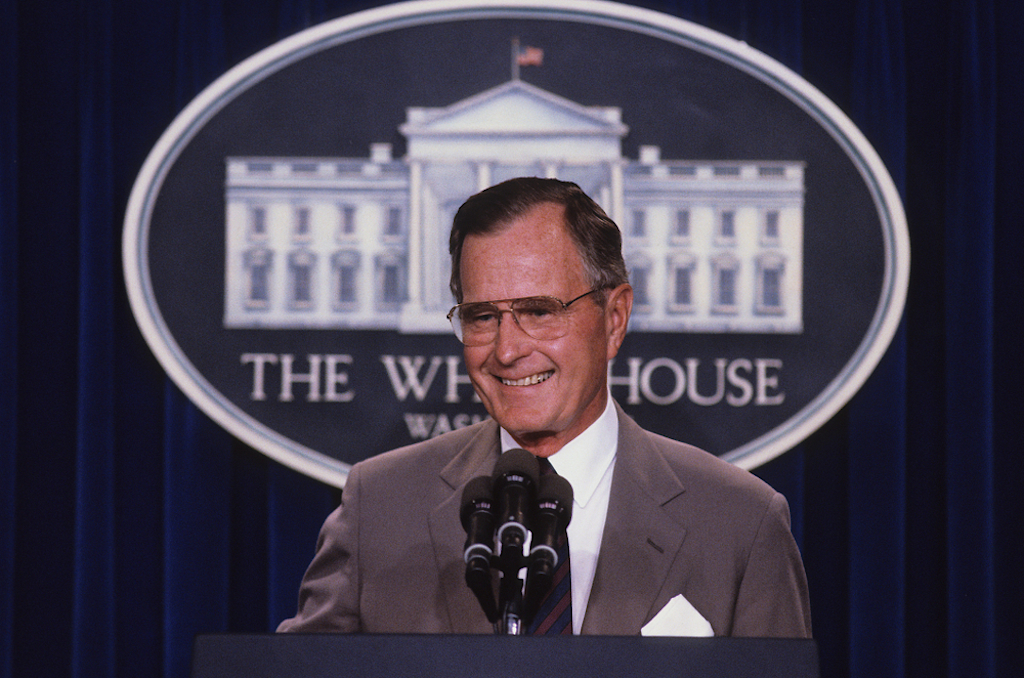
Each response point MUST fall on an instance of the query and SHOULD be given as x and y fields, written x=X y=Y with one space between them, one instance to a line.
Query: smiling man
x=544 y=390
x=665 y=539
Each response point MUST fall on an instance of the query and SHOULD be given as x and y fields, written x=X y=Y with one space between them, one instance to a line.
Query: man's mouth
x=529 y=381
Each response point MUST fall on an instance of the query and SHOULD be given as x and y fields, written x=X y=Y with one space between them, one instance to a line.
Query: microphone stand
x=510 y=590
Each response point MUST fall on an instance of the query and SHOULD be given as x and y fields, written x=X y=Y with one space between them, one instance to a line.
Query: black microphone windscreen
x=555 y=488
x=517 y=462
x=477 y=490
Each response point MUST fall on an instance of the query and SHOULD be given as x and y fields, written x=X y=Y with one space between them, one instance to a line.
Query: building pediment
x=514 y=109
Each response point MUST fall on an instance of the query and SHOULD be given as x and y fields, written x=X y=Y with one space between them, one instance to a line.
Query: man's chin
x=525 y=429
x=538 y=440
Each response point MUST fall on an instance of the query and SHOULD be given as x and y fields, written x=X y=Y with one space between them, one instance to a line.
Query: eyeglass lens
x=542 y=318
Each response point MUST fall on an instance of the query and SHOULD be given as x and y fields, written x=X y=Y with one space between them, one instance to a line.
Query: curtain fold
x=129 y=522
x=969 y=325
x=8 y=331
x=93 y=644
x=1008 y=333
x=877 y=471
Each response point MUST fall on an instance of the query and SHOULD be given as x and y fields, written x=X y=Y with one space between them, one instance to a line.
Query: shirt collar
x=584 y=460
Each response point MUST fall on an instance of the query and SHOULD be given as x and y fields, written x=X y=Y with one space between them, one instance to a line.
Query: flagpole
x=515 y=58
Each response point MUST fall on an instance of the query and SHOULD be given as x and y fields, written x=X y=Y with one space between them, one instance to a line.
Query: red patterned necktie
x=554 y=616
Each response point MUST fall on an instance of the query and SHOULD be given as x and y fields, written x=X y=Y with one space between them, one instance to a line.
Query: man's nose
x=511 y=341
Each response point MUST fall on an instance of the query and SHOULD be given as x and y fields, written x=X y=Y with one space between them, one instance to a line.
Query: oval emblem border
x=850 y=379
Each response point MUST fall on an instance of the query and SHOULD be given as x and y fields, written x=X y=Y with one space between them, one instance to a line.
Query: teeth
x=529 y=381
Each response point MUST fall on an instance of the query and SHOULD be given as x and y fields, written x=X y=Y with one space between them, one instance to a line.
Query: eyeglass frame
x=515 y=318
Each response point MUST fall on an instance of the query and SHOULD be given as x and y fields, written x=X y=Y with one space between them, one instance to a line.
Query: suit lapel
x=640 y=539
x=448 y=536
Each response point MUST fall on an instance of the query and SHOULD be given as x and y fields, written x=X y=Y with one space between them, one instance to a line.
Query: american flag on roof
x=530 y=56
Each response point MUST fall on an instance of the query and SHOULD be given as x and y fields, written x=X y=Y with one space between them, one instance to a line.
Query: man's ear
x=618 y=306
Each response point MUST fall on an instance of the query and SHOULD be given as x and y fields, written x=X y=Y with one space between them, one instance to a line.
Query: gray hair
x=596 y=236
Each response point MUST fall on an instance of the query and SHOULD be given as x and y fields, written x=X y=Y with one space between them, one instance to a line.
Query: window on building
x=301 y=281
x=303 y=228
x=771 y=291
x=346 y=285
x=257 y=267
x=390 y=281
x=640 y=278
x=727 y=287
x=391 y=290
x=258 y=222
x=770 y=294
x=682 y=225
x=727 y=225
x=724 y=290
x=771 y=226
x=393 y=222
x=346 y=280
x=638 y=223
x=681 y=295
x=302 y=286
x=348 y=220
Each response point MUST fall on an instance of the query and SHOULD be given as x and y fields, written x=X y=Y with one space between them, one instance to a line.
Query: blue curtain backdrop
x=129 y=522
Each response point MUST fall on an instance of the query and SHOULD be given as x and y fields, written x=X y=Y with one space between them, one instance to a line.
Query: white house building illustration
x=362 y=243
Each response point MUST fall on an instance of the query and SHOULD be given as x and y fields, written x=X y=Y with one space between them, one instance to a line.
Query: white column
x=483 y=175
x=415 y=252
x=618 y=199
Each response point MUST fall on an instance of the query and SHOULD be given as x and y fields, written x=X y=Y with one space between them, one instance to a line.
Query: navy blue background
x=129 y=522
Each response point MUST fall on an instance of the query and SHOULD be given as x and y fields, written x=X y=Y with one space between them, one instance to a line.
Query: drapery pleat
x=129 y=522
x=1007 y=338
x=877 y=439
x=8 y=332
x=94 y=589
x=969 y=324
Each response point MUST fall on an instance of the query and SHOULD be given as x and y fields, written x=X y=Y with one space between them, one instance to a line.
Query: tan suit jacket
x=680 y=521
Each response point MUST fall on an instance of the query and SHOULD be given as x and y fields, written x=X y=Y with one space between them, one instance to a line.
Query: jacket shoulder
x=429 y=457
x=716 y=486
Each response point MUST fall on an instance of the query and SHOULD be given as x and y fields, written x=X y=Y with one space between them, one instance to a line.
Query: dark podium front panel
x=452 y=656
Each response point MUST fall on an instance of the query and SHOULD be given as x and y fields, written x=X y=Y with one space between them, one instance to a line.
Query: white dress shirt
x=587 y=462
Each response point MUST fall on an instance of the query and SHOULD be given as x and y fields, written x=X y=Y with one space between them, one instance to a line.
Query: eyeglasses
x=543 y=318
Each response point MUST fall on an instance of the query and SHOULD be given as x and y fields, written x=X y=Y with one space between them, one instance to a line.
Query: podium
x=483 y=656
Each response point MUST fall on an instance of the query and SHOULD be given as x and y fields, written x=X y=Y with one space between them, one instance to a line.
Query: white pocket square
x=678 y=618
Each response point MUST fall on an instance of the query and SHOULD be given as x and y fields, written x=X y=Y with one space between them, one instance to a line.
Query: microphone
x=548 y=522
x=515 y=481
x=478 y=519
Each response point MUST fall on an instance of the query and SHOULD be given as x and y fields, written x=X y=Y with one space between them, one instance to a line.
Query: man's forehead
x=539 y=232
x=550 y=214
x=531 y=256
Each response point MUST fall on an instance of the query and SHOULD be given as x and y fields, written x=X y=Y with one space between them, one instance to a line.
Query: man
x=664 y=538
